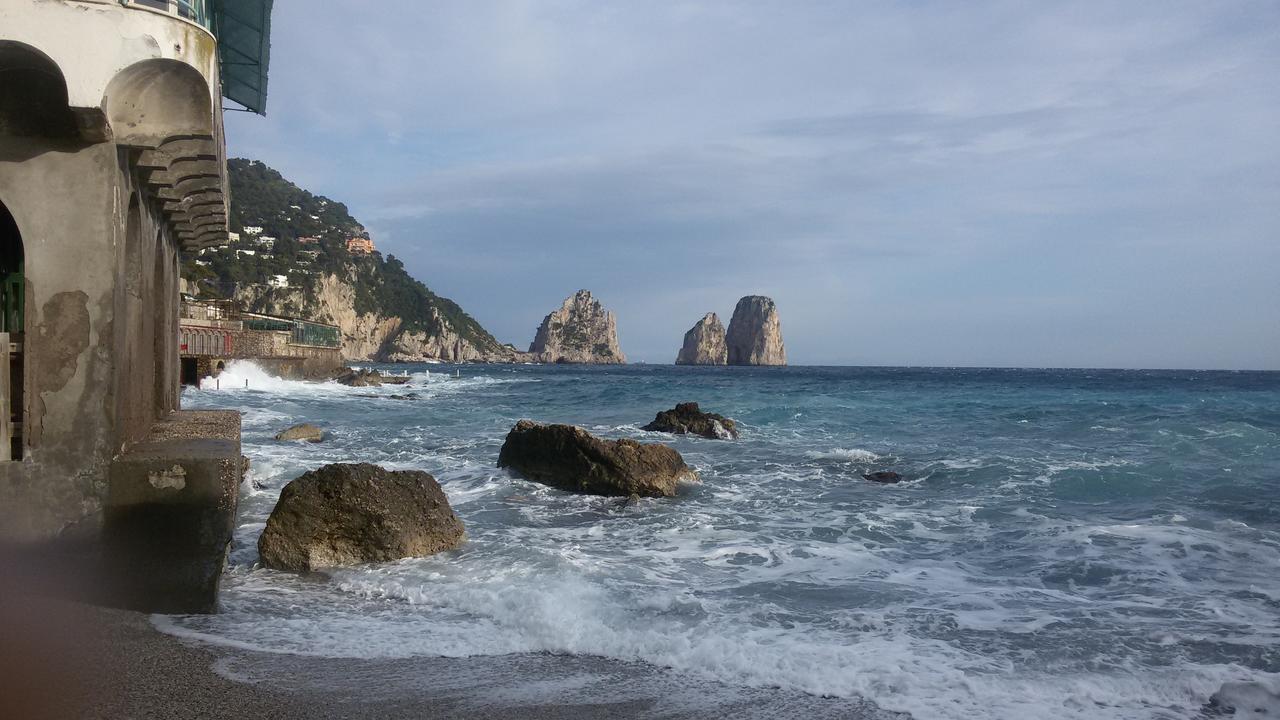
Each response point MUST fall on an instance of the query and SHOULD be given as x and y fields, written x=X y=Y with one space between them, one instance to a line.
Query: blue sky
x=915 y=183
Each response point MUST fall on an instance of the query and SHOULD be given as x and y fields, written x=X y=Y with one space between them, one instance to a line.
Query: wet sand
x=69 y=660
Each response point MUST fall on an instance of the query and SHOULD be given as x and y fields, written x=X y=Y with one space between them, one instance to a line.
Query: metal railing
x=196 y=11
x=302 y=332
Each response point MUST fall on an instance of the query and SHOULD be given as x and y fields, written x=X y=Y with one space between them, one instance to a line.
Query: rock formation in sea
x=704 y=343
x=344 y=514
x=755 y=333
x=580 y=331
x=570 y=458
x=688 y=418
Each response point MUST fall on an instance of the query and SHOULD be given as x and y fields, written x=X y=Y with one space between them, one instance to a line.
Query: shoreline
x=97 y=662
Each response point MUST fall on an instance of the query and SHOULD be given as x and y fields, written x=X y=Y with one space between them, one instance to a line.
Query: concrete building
x=112 y=159
x=360 y=246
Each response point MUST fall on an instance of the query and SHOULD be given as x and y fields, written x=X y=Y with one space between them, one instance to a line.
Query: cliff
x=292 y=259
x=580 y=331
x=755 y=333
x=704 y=344
x=373 y=335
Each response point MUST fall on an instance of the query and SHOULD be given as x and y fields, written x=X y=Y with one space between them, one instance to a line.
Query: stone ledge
x=170 y=513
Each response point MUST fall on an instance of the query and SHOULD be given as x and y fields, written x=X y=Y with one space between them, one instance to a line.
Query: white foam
x=717 y=581
x=847 y=454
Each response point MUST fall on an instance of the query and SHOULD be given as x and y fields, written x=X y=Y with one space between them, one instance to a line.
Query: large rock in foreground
x=581 y=331
x=688 y=418
x=704 y=343
x=344 y=514
x=755 y=333
x=570 y=458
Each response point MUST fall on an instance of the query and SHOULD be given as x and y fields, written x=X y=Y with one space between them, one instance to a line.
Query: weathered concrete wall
x=101 y=350
x=101 y=202
x=71 y=303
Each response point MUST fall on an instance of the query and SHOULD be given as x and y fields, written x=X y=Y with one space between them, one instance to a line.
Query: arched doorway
x=12 y=335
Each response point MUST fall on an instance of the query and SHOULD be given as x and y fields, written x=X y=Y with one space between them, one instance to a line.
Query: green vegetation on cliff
x=286 y=233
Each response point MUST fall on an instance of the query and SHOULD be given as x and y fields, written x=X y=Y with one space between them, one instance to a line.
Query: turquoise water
x=1073 y=544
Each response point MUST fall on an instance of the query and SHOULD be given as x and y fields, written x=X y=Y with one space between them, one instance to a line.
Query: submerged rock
x=755 y=333
x=1242 y=698
x=570 y=458
x=704 y=344
x=884 y=476
x=344 y=514
x=689 y=418
x=581 y=331
x=303 y=431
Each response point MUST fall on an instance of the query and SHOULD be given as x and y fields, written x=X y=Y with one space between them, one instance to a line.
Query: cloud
x=934 y=183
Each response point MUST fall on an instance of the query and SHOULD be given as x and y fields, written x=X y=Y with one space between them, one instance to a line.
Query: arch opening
x=13 y=321
x=153 y=100
x=33 y=94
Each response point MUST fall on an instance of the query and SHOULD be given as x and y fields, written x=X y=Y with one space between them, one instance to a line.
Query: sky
x=1064 y=184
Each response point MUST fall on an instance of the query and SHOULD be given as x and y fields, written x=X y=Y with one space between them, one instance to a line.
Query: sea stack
x=755 y=333
x=704 y=343
x=581 y=331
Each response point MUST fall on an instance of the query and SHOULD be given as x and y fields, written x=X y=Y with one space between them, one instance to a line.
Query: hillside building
x=112 y=160
x=360 y=246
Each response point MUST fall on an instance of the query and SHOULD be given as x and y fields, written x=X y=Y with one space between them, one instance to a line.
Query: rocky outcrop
x=887 y=477
x=358 y=378
x=755 y=333
x=704 y=343
x=443 y=344
x=304 y=431
x=688 y=418
x=370 y=336
x=580 y=331
x=570 y=458
x=347 y=514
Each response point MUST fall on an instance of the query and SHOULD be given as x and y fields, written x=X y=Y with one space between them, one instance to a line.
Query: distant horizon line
x=869 y=367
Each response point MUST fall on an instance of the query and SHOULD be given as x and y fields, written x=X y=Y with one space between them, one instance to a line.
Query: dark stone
x=406 y=396
x=345 y=514
x=688 y=418
x=358 y=378
x=884 y=476
x=570 y=458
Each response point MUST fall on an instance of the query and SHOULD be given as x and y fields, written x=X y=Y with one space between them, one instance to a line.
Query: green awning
x=243 y=28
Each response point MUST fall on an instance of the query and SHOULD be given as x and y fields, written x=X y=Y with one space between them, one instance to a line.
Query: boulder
x=755 y=333
x=884 y=476
x=570 y=458
x=580 y=331
x=704 y=343
x=344 y=514
x=303 y=431
x=689 y=418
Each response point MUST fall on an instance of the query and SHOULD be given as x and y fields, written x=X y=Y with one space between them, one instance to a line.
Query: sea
x=1066 y=543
